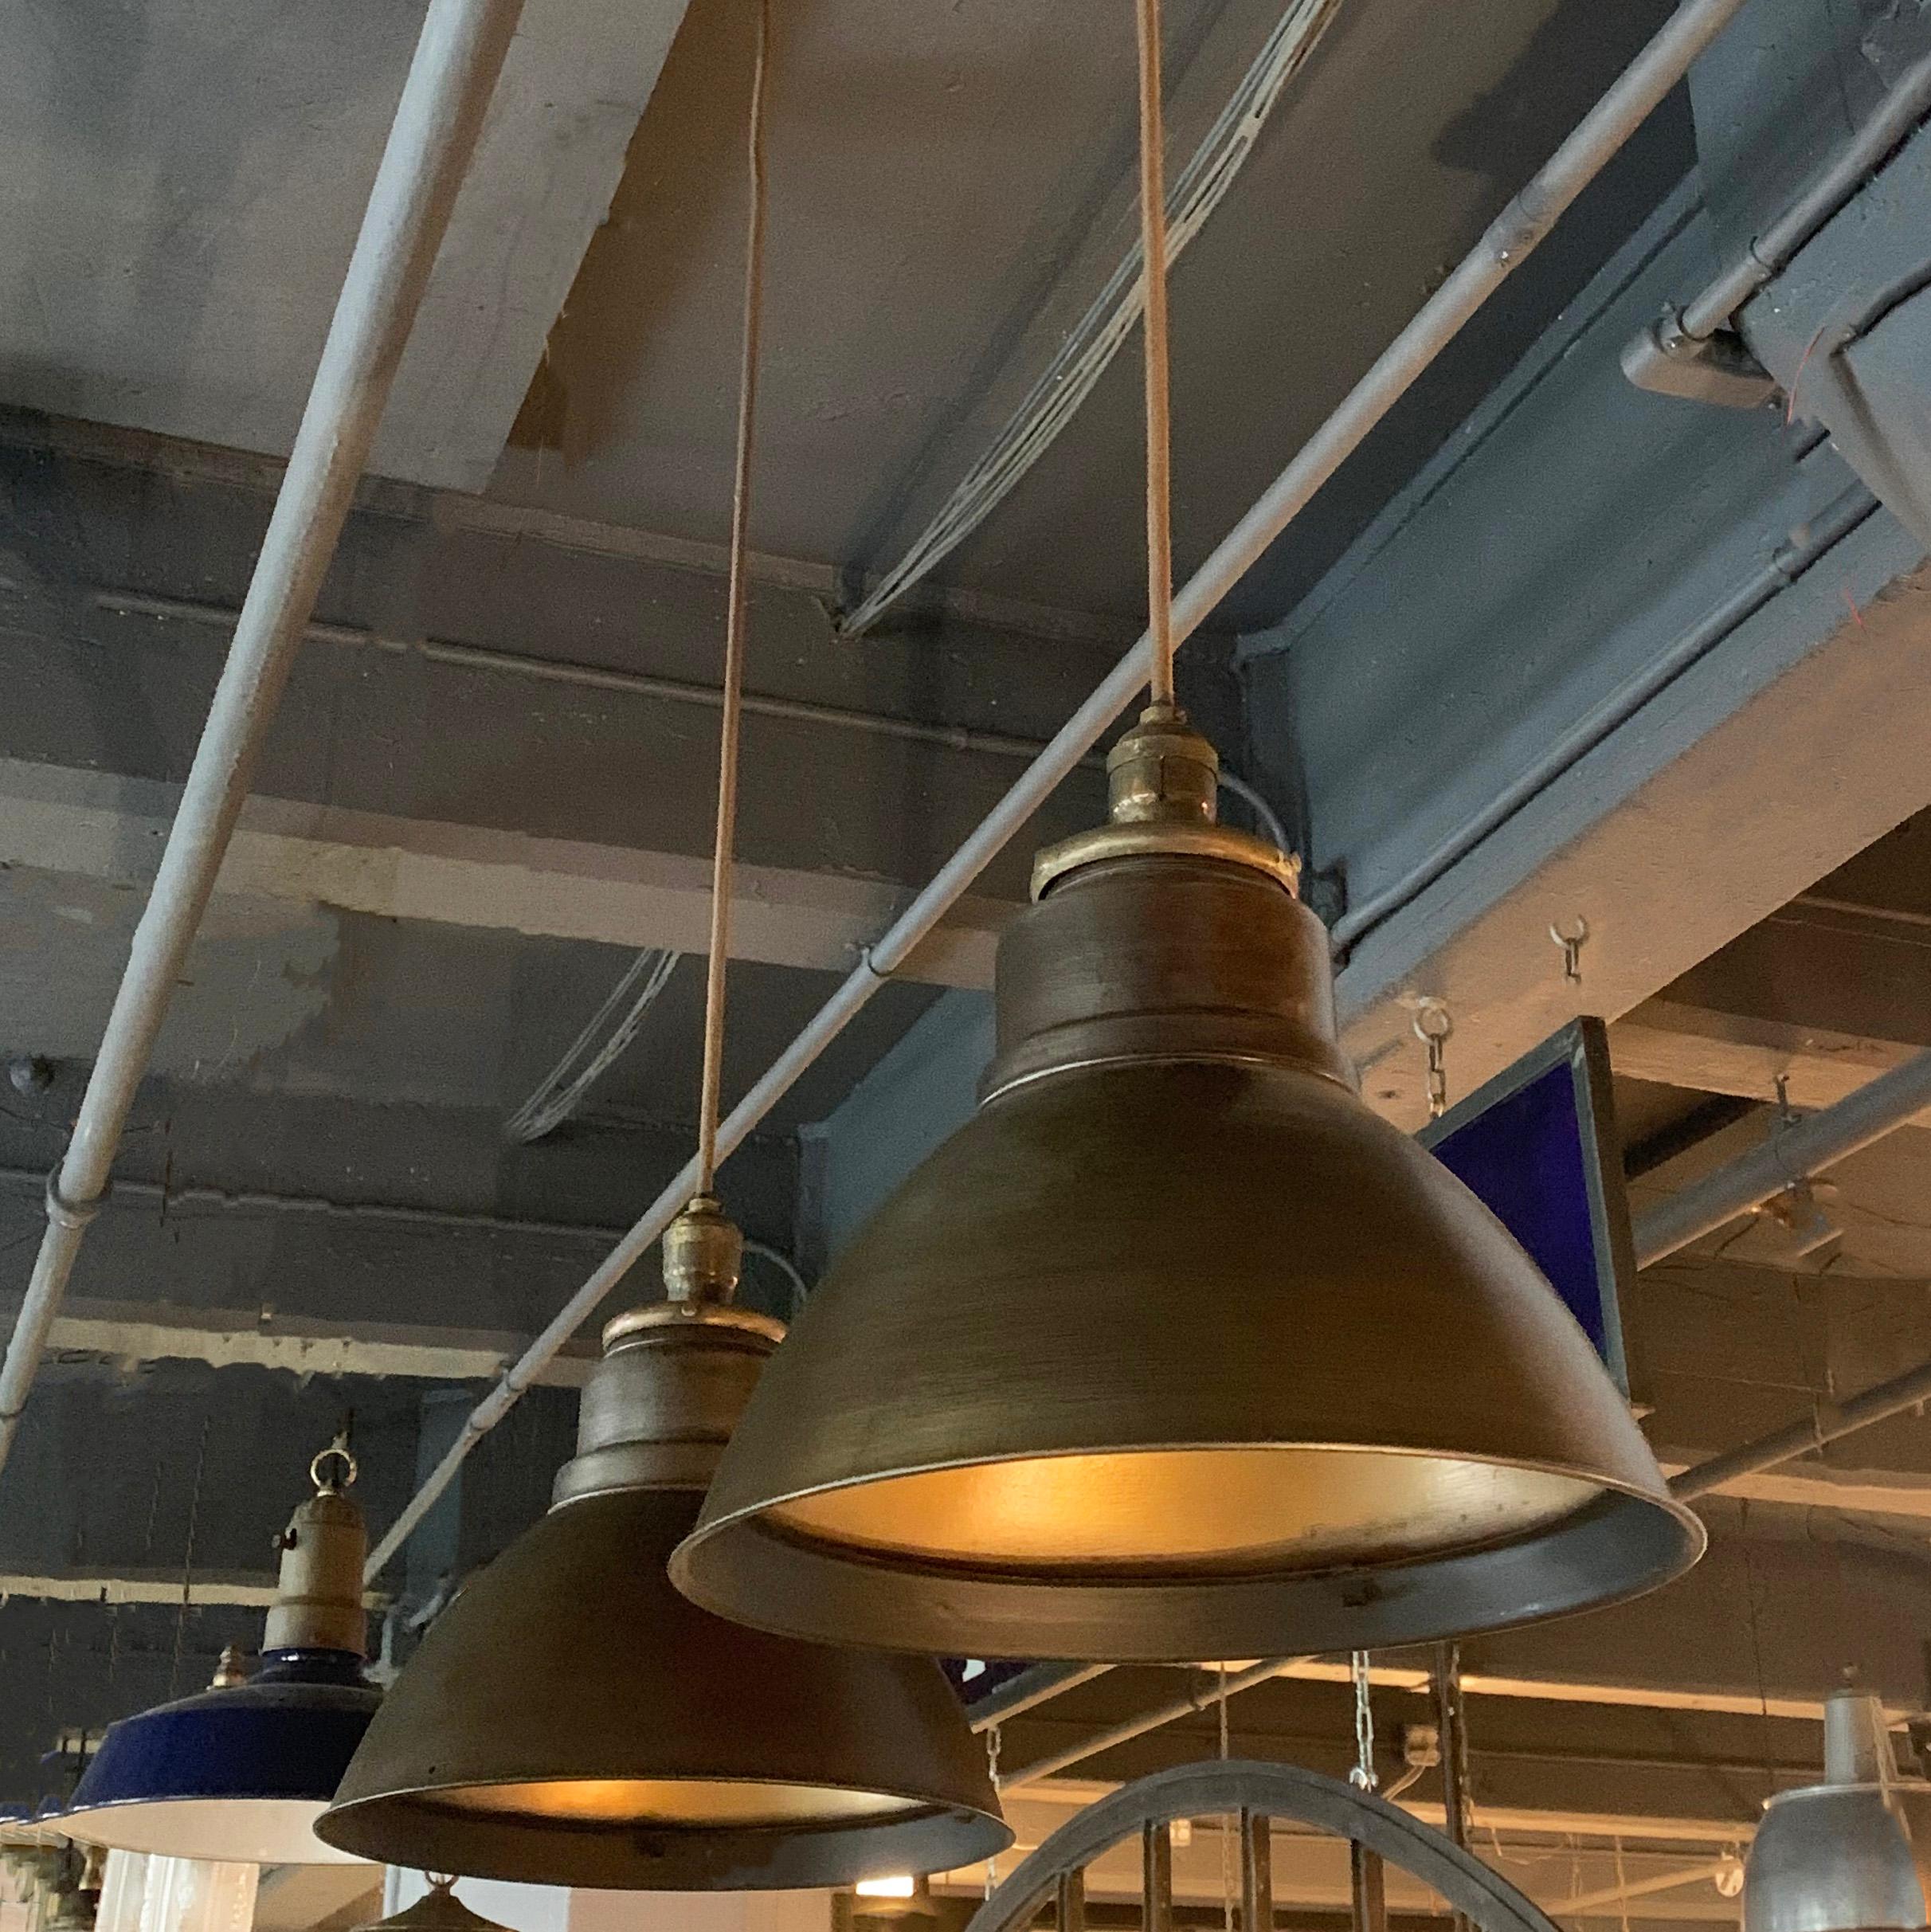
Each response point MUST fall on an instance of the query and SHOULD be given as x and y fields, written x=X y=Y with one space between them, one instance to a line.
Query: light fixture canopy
x=571 y=1720
x=239 y=1772
x=1836 y=1857
x=1176 y=1350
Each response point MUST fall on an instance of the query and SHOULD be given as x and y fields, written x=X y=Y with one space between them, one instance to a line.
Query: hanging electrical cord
x=732 y=713
x=1089 y=348
x=1153 y=284
x=557 y=1094
x=1266 y=818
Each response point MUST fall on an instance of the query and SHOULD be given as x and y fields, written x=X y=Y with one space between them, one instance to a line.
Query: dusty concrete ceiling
x=905 y=317
x=950 y=189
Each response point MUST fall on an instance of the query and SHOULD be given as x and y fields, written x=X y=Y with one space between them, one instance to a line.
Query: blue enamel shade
x=236 y=1773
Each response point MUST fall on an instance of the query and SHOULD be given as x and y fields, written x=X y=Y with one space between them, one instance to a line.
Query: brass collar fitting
x=1162 y=779
x=675 y=1374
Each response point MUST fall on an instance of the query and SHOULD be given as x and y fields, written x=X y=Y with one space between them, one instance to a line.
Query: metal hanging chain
x=1433 y=1024
x=992 y=1768
x=732 y=708
x=1154 y=271
x=1363 y=1776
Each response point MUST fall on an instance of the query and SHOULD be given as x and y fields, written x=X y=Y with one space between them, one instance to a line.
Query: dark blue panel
x=1526 y=1156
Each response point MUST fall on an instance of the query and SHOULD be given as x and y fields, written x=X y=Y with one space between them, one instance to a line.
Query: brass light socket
x=704 y=1252
x=1162 y=771
x=319 y=1593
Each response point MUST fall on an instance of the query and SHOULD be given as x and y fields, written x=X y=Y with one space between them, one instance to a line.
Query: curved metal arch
x=1236 y=1785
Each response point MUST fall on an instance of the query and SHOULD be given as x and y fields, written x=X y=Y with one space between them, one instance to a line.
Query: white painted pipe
x=1506 y=243
x=453 y=74
x=1642 y=1888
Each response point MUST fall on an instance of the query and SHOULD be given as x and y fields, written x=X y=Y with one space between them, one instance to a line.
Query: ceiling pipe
x=1827 y=1422
x=1898 y=116
x=1644 y=1888
x=1037 y=1684
x=1620 y=1696
x=1508 y=240
x=450 y=81
x=1230 y=1685
x=1791 y=1154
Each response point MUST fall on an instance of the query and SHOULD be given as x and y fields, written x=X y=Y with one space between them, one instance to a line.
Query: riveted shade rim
x=571 y=1661
x=1030 y=1295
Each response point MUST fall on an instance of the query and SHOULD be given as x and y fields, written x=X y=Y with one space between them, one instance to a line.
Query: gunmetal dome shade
x=1176 y=1349
x=571 y=1720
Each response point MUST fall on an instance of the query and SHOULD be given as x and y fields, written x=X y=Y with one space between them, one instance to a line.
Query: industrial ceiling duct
x=571 y=1720
x=1835 y=1857
x=239 y=1772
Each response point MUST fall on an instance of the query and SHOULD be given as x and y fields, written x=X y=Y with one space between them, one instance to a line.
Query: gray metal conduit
x=1154 y=1719
x=451 y=78
x=1827 y=1422
x=1898 y=115
x=1791 y=1154
x=1037 y=1684
x=1506 y=243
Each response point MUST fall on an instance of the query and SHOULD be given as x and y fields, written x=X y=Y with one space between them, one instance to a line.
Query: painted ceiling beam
x=1678 y=1045
x=83 y=825
x=1613 y=655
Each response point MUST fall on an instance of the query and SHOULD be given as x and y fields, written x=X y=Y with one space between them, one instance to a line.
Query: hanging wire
x=1087 y=349
x=187 y=1560
x=560 y=1090
x=710 y=1103
x=1153 y=254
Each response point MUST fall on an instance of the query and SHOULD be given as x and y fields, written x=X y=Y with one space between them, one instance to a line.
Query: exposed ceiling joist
x=88 y=824
x=1072 y=1793
x=224 y=1337
x=1680 y=1045
x=1727 y=795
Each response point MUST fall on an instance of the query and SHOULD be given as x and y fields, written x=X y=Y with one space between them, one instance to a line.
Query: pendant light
x=438 y=1910
x=571 y=1719
x=1176 y=1351
x=239 y=1773
x=1836 y=1857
